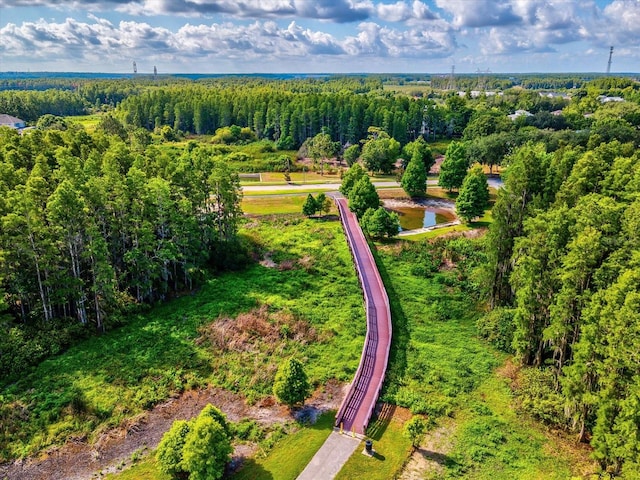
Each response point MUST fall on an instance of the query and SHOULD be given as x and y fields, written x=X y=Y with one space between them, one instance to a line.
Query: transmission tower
x=609 y=64
x=482 y=78
x=451 y=85
x=135 y=67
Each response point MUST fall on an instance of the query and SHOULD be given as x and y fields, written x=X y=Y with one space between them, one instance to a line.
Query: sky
x=322 y=36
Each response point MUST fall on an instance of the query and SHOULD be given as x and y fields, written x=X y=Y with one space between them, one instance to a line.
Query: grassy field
x=308 y=305
x=89 y=122
x=291 y=455
x=390 y=447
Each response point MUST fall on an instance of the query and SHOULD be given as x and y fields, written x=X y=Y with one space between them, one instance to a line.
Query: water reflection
x=412 y=218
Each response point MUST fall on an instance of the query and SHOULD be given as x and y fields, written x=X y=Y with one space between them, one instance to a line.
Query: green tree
x=350 y=178
x=351 y=154
x=207 y=449
x=454 y=167
x=321 y=148
x=324 y=203
x=380 y=223
x=419 y=147
x=473 y=198
x=414 y=179
x=414 y=430
x=363 y=196
x=380 y=152
x=310 y=206
x=524 y=187
x=291 y=385
x=169 y=453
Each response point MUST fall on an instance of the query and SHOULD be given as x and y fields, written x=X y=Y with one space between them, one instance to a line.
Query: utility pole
x=609 y=64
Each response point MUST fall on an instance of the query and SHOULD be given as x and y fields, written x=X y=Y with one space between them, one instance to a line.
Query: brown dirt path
x=80 y=460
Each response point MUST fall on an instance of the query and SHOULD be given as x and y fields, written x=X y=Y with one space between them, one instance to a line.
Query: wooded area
x=92 y=227
x=95 y=224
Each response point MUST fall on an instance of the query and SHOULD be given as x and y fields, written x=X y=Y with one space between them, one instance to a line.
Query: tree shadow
x=249 y=469
x=382 y=418
x=400 y=337
x=437 y=457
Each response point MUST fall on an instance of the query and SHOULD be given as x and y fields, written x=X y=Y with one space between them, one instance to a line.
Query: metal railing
x=361 y=384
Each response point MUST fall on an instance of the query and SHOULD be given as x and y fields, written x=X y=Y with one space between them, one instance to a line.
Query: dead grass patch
x=255 y=329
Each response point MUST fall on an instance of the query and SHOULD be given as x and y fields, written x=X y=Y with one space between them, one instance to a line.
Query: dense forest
x=92 y=227
x=565 y=284
x=95 y=224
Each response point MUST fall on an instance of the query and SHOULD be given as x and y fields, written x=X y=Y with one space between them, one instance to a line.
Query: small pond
x=412 y=218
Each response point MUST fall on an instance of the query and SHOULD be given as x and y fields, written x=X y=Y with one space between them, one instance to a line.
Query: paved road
x=492 y=181
x=333 y=454
x=307 y=186
x=358 y=405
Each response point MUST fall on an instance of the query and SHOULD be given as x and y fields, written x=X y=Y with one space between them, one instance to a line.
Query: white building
x=12 y=122
x=520 y=113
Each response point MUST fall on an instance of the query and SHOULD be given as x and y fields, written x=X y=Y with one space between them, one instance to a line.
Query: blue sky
x=338 y=36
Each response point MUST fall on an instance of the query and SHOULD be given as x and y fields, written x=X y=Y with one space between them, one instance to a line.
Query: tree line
x=92 y=227
x=564 y=280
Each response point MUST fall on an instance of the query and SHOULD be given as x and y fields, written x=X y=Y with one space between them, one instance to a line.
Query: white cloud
x=479 y=13
x=98 y=38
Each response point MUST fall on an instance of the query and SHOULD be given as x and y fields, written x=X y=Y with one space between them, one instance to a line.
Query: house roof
x=9 y=120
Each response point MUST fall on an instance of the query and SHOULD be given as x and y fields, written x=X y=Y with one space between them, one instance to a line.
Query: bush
x=170 y=450
x=414 y=430
x=497 y=328
x=539 y=396
x=200 y=448
x=207 y=449
x=291 y=385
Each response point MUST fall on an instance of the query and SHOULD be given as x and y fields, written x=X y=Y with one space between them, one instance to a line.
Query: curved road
x=358 y=405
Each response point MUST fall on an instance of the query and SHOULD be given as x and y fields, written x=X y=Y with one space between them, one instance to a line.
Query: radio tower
x=135 y=67
x=609 y=64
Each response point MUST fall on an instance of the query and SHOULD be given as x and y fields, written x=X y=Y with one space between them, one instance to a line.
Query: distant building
x=12 y=122
x=520 y=113
x=605 y=99
x=564 y=96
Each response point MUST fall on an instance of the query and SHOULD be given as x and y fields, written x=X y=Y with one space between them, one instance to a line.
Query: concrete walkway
x=333 y=454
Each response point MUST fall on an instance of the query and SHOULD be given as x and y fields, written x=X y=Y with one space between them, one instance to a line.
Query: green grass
x=436 y=233
x=273 y=204
x=391 y=450
x=284 y=191
x=270 y=204
x=100 y=382
x=89 y=122
x=291 y=455
x=144 y=469
x=436 y=357
x=493 y=442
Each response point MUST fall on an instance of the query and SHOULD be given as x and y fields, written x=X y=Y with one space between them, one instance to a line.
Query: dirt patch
x=79 y=460
x=428 y=460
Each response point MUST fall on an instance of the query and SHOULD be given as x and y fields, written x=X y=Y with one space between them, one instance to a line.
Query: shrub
x=414 y=430
x=207 y=449
x=170 y=450
x=497 y=328
x=291 y=385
